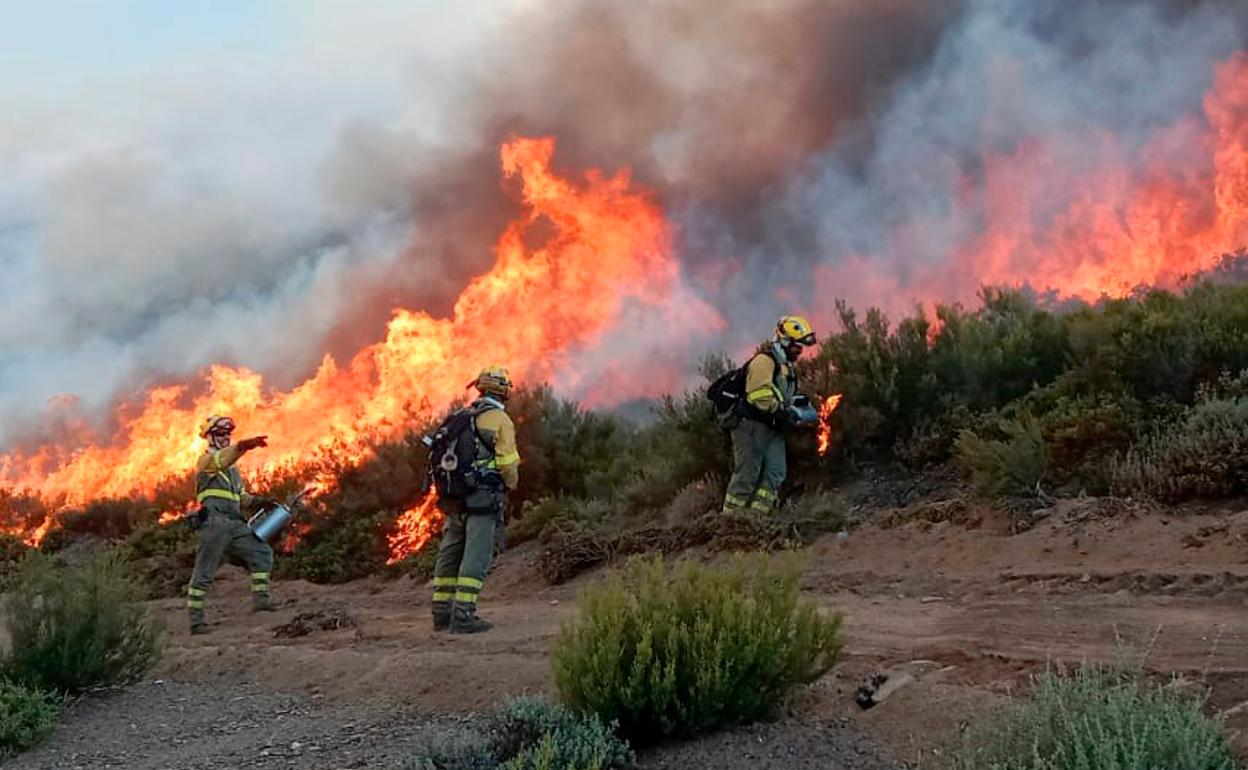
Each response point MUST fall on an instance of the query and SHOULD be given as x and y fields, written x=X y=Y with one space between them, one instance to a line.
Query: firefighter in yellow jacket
x=759 y=463
x=223 y=532
x=468 y=535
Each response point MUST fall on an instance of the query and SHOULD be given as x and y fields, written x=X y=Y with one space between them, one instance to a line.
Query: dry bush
x=567 y=552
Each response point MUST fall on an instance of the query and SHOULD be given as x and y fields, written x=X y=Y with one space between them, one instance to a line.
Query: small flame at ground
x=414 y=528
x=826 y=409
x=171 y=517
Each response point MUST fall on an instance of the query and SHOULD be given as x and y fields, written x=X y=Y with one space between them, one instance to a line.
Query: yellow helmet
x=494 y=381
x=795 y=329
x=216 y=424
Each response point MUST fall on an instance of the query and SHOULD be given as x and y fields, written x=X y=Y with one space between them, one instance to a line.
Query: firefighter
x=223 y=532
x=758 y=449
x=468 y=535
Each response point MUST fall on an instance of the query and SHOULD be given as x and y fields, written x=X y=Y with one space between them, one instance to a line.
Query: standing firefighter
x=770 y=386
x=474 y=463
x=223 y=532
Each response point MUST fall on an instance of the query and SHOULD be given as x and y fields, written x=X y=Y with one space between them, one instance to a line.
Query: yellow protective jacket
x=498 y=432
x=768 y=387
x=218 y=484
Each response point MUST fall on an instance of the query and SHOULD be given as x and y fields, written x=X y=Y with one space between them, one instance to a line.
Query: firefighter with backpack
x=473 y=464
x=758 y=402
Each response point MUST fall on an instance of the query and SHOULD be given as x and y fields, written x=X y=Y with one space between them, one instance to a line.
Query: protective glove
x=249 y=444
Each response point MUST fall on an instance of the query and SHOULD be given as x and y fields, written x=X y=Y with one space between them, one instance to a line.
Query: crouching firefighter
x=473 y=463
x=769 y=388
x=223 y=532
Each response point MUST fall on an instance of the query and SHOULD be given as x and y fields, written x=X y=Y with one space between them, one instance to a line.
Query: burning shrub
x=883 y=373
x=707 y=649
x=76 y=628
x=109 y=519
x=528 y=734
x=1100 y=717
x=22 y=510
x=13 y=551
x=1204 y=455
x=27 y=716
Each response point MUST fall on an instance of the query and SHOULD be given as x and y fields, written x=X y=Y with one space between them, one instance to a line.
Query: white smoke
x=222 y=207
x=257 y=209
x=884 y=224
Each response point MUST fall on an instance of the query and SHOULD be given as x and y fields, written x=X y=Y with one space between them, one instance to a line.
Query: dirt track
x=967 y=609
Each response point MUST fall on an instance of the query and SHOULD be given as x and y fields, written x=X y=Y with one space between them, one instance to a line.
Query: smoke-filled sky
x=258 y=183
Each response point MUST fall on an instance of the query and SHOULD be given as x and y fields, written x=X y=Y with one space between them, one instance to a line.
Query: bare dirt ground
x=962 y=606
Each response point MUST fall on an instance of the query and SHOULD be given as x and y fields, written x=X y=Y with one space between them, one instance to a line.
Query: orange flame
x=170 y=517
x=414 y=528
x=824 y=434
x=1139 y=216
x=605 y=244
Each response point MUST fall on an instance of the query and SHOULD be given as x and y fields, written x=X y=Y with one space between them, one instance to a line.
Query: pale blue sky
x=169 y=166
x=69 y=43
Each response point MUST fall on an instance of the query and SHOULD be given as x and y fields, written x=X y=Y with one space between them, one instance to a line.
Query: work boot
x=464 y=620
x=441 y=616
x=261 y=603
x=199 y=628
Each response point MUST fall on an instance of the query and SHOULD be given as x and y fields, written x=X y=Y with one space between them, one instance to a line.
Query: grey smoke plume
x=240 y=219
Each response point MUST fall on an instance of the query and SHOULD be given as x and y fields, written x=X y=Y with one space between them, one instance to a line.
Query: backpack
x=727 y=394
x=453 y=454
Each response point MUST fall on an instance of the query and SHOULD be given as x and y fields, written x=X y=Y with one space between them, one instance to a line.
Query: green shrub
x=75 y=628
x=162 y=557
x=574 y=511
x=344 y=546
x=457 y=750
x=1204 y=455
x=527 y=734
x=531 y=734
x=27 y=716
x=1098 y=718
x=707 y=648
x=1012 y=467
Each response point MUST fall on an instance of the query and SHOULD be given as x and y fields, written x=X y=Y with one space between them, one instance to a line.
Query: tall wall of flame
x=795 y=152
x=564 y=271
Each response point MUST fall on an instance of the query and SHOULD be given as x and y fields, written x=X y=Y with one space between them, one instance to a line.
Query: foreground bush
x=27 y=716
x=706 y=649
x=76 y=628
x=1098 y=718
x=528 y=734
